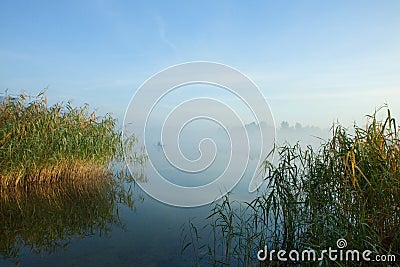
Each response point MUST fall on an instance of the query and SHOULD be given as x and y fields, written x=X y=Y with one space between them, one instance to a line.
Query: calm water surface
x=95 y=227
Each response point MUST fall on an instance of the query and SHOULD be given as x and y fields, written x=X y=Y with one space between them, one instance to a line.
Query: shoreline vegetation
x=61 y=177
x=58 y=143
x=348 y=188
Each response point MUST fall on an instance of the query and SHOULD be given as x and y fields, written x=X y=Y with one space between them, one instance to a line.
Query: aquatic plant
x=43 y=144
x=347 y=189
x=62 y=176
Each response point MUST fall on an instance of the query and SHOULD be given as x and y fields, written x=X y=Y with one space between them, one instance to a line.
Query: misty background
x=315 y=62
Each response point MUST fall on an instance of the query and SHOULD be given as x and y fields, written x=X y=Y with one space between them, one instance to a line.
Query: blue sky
x=315 y=61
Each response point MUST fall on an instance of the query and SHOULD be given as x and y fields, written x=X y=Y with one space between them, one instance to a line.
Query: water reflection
x=45 y=218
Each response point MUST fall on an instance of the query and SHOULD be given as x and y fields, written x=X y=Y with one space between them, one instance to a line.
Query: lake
x=101 y=225
x=109 y=224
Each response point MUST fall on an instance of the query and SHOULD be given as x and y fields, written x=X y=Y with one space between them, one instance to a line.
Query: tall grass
x=41 y=143
x=349 y=188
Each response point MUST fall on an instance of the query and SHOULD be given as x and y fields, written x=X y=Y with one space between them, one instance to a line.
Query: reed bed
x=61 y=176
x=44 y=144
x=348 y=188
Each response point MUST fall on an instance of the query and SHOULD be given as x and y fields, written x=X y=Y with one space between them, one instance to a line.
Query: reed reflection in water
x=44 y=218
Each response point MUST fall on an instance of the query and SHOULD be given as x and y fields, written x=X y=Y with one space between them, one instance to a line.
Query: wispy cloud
x=162 y=33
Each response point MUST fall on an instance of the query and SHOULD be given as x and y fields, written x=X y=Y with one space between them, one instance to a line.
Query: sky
x=315 y=61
